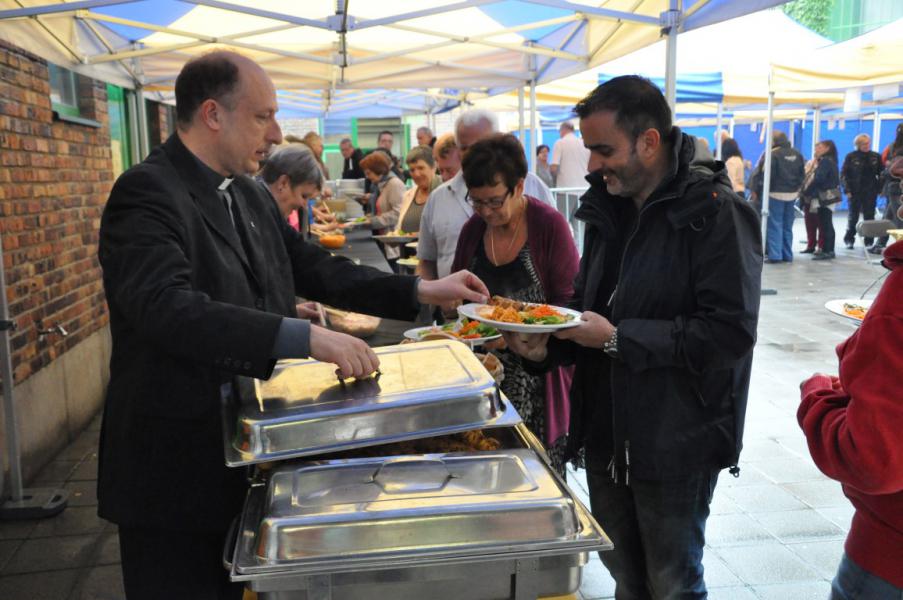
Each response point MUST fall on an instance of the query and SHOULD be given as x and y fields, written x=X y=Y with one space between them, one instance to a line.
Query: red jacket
x=854 y=426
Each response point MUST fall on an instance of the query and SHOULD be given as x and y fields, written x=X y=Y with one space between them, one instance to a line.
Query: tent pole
x=143 y=139
x=876 y=132
x=766 y=178
x=670 y=21
x=520 y=113
x=531 y=158
x=730 y=127
x=816 y=128
x=718 y=123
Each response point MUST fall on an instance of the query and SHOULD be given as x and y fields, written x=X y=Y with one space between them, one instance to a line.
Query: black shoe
x=807 y=251
x=849 y=245
x=769 y=261
x=876 y=249
x=823 y=256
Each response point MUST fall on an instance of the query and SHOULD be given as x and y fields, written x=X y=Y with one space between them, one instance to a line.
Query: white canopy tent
x=328 y=57
x=869 y=65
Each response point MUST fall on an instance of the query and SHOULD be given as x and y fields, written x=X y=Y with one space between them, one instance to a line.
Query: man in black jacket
x=860 y=176
x=669 y=289
x=351 y=164
x=201 y=272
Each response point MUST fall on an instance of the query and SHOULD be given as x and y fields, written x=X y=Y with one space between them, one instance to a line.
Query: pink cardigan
x=555 y=256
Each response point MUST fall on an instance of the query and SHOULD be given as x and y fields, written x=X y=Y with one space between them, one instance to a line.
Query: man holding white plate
x=668 y=287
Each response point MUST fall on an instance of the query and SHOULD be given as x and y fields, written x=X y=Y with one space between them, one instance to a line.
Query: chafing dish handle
x=229 y=546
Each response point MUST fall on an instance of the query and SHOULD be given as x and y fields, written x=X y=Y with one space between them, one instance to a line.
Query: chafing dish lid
x=371 y=512
x=425 y=389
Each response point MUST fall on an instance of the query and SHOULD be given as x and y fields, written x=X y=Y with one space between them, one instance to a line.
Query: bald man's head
x=213 y=76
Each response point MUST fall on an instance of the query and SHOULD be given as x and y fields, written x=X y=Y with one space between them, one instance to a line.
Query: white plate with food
x=409 y=262
x=396 y=237
x=850 y=308
x=521 y=317
x=411 y=245
x=471 y=332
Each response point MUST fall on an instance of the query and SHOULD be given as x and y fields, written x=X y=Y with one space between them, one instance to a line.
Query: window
x=64 y=91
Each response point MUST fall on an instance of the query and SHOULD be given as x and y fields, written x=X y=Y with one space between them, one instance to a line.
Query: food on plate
x=332 y=241
x=857 y=311
x=464 y=329
x=506 y=310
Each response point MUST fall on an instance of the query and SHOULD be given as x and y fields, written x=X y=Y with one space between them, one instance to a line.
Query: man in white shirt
x=569 y=159
x=447 y=210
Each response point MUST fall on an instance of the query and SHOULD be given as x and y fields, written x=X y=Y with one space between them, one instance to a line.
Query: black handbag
x=829 y=196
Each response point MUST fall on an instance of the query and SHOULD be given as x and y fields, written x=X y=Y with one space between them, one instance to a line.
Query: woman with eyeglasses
x=522 y=249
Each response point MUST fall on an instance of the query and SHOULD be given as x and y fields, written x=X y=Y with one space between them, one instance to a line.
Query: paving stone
x=798 y=525
x=45 y=554
x=789 y=471
x=7 y=549
x=107 y=552
x=763 y=498
x=717 y=574
x=732 y=593
x=53 y=585
x=54 y=472
x=16 y=530
x=736 y=529
x=86 y=471
x=73 y=520
x=82 y=493
x=100 y=583
x=765 y=563
x=597 y=583
x=797 y=591
x=722 y=505
x=824 y=493
x=841 y=516
x=822 y=556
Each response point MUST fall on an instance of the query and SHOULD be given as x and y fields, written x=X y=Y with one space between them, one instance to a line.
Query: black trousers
x=174 y=565
x=826 y=220
x=859 y=204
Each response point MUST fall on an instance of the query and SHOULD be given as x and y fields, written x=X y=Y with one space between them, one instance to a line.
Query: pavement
x=776 y=532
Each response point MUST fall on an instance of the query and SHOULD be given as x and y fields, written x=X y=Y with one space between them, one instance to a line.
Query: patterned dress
x=518 y=280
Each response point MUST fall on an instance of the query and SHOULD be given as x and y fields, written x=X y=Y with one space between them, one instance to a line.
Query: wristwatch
x=610 y=346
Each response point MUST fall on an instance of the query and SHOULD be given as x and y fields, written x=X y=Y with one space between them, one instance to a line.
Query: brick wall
x=158 y=123
x=55 y=177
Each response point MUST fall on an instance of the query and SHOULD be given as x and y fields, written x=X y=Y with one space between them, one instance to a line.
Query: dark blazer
x=189 y=308
x=351 y=166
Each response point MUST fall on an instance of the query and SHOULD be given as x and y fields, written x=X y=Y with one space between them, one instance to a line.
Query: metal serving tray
x=345 y=515
x=424 y=390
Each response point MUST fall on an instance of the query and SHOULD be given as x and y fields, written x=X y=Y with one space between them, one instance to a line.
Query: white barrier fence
x=566 y=201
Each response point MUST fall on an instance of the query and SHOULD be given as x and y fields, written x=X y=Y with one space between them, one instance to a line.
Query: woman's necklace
x=495 y=258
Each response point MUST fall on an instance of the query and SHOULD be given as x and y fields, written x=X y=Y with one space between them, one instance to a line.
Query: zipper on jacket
x=627 y=463
x=611 y=303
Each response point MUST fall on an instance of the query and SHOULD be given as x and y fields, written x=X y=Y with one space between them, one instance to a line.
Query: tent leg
x=766 y=179
x=531 y=157
x=520 y=114
x=670 y=21
x=816 y=128
x=718 y=124
x=730 y=127
x=19 y=503
x=143 y=138
x=876 y=132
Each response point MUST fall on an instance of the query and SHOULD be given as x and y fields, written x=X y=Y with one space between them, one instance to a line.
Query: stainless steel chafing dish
x=479 y=525
x=424 y=390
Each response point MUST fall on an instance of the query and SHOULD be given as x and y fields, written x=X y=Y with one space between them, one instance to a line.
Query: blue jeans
x=852 y=582
x=779 y=233
x=658 y=530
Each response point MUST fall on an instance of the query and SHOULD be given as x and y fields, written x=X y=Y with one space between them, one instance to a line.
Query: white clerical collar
x=226 y=183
